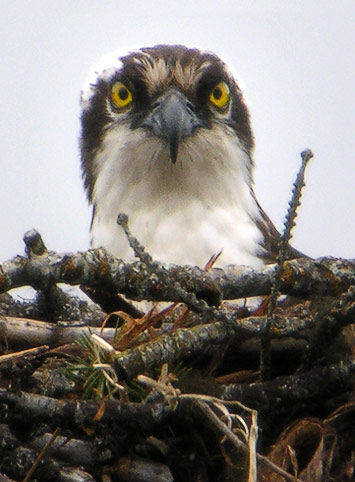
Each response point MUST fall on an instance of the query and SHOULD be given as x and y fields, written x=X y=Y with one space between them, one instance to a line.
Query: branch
x=98 y=269
x=265 y=356
x=27 y=332
x=268 y=397
x=79 y=413
x=203 y=339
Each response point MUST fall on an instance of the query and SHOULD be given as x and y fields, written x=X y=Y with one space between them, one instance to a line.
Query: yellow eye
x=121 y=96
x=220 y=95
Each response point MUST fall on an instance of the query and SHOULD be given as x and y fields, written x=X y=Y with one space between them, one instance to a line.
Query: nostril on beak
x=190 y=106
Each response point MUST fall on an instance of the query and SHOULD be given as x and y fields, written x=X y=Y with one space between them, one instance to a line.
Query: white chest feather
x=182 y=213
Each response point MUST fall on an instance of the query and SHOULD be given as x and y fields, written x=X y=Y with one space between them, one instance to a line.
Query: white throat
x=182 y=213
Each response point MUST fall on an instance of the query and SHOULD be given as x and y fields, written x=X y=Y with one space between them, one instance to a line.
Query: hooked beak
x=172 y=117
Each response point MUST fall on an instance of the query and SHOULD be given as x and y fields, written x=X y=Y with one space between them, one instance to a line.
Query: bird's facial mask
x=172 y=117
x=160 y=103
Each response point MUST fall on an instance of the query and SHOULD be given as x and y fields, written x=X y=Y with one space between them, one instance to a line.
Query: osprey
x=166 y=139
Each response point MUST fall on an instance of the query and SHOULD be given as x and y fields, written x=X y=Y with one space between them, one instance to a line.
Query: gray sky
x=296 y=60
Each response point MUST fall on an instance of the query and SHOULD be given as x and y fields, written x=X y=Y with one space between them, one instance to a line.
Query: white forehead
x=101 y=70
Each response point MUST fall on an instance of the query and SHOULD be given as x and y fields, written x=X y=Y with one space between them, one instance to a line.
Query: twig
x=78 y=413
x=174 y=287
x=252 y=440
x=41 y=455
x=21 y=354
x=284 y=241
x=329 y=322
x=221 y=427
x=266 y=397
x=164 y=386
x=34 y=243
x=269 y=397
x=202 y=339
x=27 y=332
x=138 y=249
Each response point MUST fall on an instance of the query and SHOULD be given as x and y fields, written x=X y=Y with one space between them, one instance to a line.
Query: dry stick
x=201 y=403
x=41 y=455
x=222 y=427
x=153 y=267
x=34 y=243
x=23 y=353
x=175 y=287
x=329 y=322
x=284 y=241
x=252 y=441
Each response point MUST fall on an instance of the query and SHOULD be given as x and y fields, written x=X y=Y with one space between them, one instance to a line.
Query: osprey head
x=166 y=139
x=169 y=95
